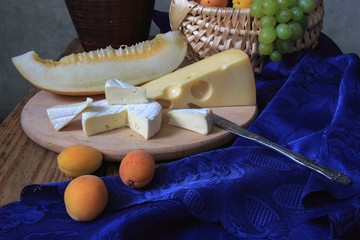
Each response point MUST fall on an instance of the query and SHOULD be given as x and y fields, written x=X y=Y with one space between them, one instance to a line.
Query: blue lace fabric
x=309 y=102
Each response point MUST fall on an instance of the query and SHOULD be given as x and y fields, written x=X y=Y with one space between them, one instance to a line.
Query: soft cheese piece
x=102 y=117
x=62 y=115
x=144 y=119
x=224 y=79
x=196 y=120
x=119 y=92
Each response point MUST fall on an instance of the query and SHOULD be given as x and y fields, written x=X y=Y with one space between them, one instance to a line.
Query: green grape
x=293 y=3
x=296 y=30
x=307 y=6
x=256 y=9
x=275 y=56
x=268 y=21
x=282 y=23
x=284 y=46
x=283 y=15
x=283 y=3
x=283 y=31
x=267 y=35
x=297 y=14
x=266 y=49
x=304 y=22
x=269 y=7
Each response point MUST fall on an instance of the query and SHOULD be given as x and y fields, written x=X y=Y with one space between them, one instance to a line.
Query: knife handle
x=323 y=170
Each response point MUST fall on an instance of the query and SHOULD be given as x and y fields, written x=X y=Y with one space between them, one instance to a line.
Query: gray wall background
x=46 y=27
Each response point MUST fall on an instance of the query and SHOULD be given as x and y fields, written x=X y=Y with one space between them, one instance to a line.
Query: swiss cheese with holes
x=224 y=79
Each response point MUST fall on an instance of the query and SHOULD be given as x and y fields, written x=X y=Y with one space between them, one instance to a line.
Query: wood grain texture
x=22 y=161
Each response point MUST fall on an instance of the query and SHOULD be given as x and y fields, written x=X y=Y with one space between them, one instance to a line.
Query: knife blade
x=298 y=158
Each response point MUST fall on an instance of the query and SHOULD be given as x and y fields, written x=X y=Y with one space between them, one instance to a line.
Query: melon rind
x=86 y=73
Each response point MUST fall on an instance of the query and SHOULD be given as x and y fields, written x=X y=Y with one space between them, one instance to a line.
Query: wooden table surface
x=22 y=161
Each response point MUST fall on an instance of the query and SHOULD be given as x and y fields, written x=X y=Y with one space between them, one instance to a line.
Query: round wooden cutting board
x=170 y=143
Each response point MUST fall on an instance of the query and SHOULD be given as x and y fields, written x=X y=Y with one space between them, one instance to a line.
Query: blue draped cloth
x=309 y=102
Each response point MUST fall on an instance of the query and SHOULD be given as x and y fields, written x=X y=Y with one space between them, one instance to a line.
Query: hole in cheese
x=164 y=103
x=172 y=91
x=201 y=90
x=191 y=75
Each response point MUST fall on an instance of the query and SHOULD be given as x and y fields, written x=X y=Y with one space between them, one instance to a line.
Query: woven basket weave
x=210 y=30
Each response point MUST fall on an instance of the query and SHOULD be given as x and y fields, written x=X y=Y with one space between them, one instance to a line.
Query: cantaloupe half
x=86 y=73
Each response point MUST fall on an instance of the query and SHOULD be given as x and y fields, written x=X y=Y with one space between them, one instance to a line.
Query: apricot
x=214 y=3
x=137 y=169
x=77 y=160
x=85 y=197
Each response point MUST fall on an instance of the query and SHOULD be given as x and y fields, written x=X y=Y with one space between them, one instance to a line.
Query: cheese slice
x=102 y=117
x=144 y=119
x=196 y=120
x=62 y=115
x=119 y=92
x=223 y=79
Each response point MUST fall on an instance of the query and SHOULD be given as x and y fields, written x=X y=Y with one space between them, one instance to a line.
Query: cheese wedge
x=62 y=115
x=102 y=117
x=196 y=120
x=119 y=92
x=144 y=119
x=224 y=79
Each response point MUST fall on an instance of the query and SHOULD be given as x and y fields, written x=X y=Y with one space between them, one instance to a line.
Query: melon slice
x=86 y=73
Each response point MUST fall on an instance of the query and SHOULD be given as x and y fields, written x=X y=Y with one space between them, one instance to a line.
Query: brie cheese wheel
x=119 y=92
x=62 y=115
x=223 y=79
x=144 y=119
x=102 y=117
x=196 y=120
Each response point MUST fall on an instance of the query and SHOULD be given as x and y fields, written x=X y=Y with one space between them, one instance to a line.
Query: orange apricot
x=77 y=160
x=137 y=169
x=214 y=3
x=85 y=197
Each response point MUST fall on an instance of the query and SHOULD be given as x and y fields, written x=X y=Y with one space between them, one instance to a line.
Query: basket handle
x=178 y=11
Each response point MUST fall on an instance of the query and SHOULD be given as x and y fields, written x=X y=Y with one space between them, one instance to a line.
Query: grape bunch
x=282 y=22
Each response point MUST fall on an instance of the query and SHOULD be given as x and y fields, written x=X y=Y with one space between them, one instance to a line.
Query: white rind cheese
x=102 y=117
x=62 y=115
x=196 y=120
x=144 y=119
x=120 y=92
x=224 y=79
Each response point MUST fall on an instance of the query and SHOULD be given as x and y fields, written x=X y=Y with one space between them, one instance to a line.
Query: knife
x=242 y=132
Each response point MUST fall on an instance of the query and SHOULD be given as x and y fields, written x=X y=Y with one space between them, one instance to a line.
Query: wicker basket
x=210 y=30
